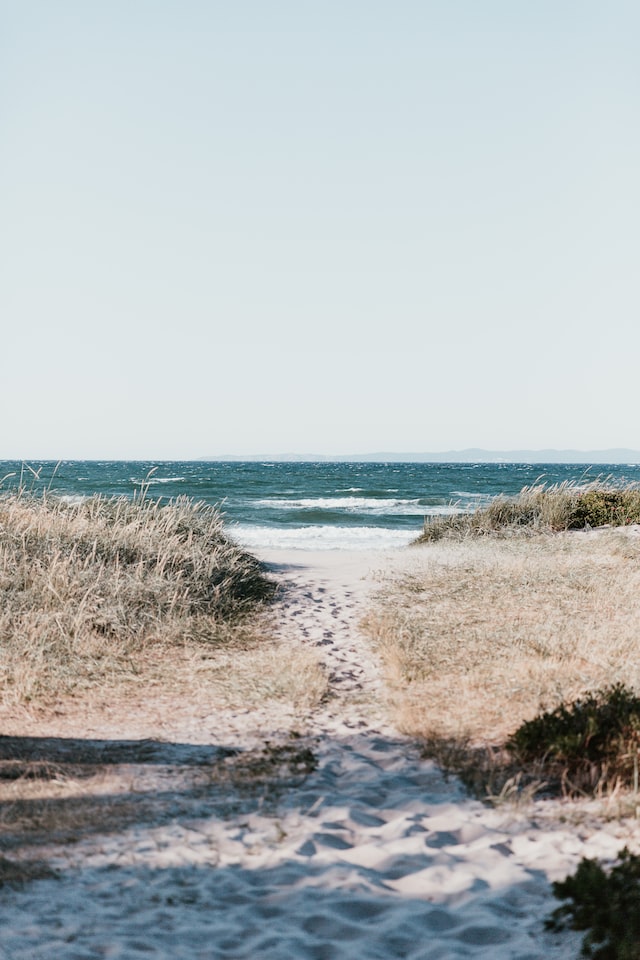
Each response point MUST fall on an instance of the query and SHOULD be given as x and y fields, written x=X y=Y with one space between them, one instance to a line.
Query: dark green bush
x=607 y=905
x=595 y=508
x=589 y=743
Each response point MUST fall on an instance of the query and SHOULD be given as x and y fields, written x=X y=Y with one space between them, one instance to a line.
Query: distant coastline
x=469 y=455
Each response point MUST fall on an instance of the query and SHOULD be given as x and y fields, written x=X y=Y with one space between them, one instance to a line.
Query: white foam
x=375 y=506
x=321 y=537
x=153 y=480
x=331 y=503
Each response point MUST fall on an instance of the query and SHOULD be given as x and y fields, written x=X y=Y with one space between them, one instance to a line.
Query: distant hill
x=470 y=455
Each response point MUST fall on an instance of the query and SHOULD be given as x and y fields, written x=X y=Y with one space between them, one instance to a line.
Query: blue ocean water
x=309 y=505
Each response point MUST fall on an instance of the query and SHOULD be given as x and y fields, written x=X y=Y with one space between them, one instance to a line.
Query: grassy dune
x=542 y=509
x=108 y=591
x=497 y=619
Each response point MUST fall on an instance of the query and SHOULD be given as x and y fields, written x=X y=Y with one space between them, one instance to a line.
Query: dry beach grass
x=496 y=618
x=110 y=591
x=87 y=588
x=542 y=508
x=480 y=635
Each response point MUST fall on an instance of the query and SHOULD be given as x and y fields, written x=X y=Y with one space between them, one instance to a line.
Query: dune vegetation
x=102 y=591
x=542 y=509
x=497 y=619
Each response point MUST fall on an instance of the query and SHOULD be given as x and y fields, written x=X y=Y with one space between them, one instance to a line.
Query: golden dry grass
x=480 y=635
x=541 y=508
x=88 y=588
x=106 y=592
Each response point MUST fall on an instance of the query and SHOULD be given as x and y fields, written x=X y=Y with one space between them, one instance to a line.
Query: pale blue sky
x=332 y=227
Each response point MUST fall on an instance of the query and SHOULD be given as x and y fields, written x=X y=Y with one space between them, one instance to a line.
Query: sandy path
x=324 y=597
x=372 y=855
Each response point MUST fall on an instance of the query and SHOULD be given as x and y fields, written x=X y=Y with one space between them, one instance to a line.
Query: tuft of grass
x=604 y=903
x=590 y=744
x=88 y=588
x=277 y=760
x=542 y=508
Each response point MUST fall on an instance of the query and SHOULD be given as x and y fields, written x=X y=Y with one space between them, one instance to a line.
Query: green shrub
x=607 y=905
x=590 y=743
x=595 y=508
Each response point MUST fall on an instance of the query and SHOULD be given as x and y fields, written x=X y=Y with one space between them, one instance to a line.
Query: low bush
x=595 y=508
x=590 y=745
x=606 y=904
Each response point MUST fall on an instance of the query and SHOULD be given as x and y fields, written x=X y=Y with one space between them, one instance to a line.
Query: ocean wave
x=376 y=505
x=320 y=537
x=316 y=507
x=152 y=480
x=446 y=510
x=367 y=490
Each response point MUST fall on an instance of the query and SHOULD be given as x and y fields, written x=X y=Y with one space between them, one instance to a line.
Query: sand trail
x=373 y=854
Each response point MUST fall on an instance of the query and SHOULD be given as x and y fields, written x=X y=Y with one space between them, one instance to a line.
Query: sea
x=308 y=505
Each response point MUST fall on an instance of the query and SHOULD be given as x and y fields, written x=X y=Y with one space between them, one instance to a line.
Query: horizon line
x=609 y=455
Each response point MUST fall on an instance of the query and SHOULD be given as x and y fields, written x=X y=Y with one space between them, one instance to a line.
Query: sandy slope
x=372 y=855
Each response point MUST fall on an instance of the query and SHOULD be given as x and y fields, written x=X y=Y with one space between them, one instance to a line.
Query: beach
x=362 y=849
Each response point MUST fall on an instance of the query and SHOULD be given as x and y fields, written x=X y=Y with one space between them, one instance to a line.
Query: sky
x=328 y=226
